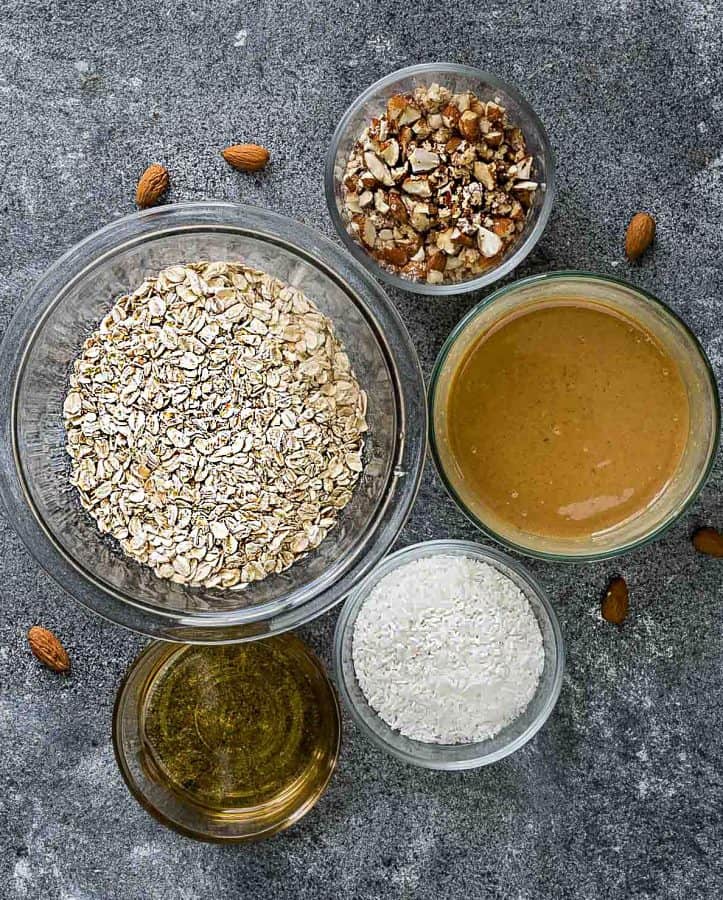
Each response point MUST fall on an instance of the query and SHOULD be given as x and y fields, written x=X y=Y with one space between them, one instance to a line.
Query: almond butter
x=640 y=235
x=246 y=157
x=152 y=185
x=615 y=603
x=708 y=541
x=47 y=648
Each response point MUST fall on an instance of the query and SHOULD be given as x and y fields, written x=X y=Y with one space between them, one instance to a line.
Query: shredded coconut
x=447 y=650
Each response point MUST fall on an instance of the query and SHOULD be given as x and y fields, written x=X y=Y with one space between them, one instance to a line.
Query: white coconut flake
x=447 y=650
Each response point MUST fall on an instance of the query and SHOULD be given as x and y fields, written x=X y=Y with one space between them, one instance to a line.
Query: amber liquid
x=240 y=727
x=566 y=419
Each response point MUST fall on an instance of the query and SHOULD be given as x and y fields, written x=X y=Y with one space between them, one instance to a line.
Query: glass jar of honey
x=227 y=743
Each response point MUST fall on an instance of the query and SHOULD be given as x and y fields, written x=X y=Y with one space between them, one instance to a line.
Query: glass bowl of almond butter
x=440 y=178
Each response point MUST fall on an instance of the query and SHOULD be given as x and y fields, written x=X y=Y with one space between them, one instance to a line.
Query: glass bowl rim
x=521 y=251
x=303 y=242
x=156 y=647
x=483 y=553
x=469 y=317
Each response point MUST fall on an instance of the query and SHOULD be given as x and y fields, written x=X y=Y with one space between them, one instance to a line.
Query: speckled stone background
x=621 y=794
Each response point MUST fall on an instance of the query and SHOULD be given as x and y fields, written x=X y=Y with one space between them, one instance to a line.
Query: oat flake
x=215 y=425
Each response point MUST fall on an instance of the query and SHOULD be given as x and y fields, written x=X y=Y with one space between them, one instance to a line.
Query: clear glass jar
x=670 y=332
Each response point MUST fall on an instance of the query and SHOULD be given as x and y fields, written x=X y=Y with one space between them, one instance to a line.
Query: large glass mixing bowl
x=44 y=338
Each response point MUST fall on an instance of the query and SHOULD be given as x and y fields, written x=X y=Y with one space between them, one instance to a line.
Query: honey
x=228 y=742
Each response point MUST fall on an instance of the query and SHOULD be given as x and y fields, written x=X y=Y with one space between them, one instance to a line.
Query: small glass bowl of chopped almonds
x=440 y=178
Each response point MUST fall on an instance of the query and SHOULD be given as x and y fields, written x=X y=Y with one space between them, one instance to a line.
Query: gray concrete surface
x=621 y=794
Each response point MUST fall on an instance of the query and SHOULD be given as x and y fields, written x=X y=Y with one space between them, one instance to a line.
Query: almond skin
x=640 y=235
x=397 y=256
x=48 y=649
x=469 y=125
x=398 y=209
x=152 y=185
x=503 y=227
x=453 y=144
x=708 y=541
x=246 y=157
x=614 y=607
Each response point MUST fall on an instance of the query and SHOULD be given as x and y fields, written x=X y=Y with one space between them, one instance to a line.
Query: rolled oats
x=438 y=188
x=215 y=425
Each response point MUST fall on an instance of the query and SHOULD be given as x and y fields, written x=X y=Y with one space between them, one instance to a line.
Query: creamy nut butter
x=565 y=419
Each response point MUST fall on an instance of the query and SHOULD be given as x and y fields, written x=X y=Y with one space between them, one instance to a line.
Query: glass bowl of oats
x=187 y=444
x=440 y=179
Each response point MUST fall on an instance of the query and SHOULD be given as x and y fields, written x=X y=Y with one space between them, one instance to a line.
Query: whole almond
x=47 y=648
x=152 y=185
x=615 y=603
x=640 y=235
x=246 y=157
x=708 y=541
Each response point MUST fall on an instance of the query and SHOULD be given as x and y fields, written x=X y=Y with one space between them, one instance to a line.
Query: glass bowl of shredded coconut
x=449 y=655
